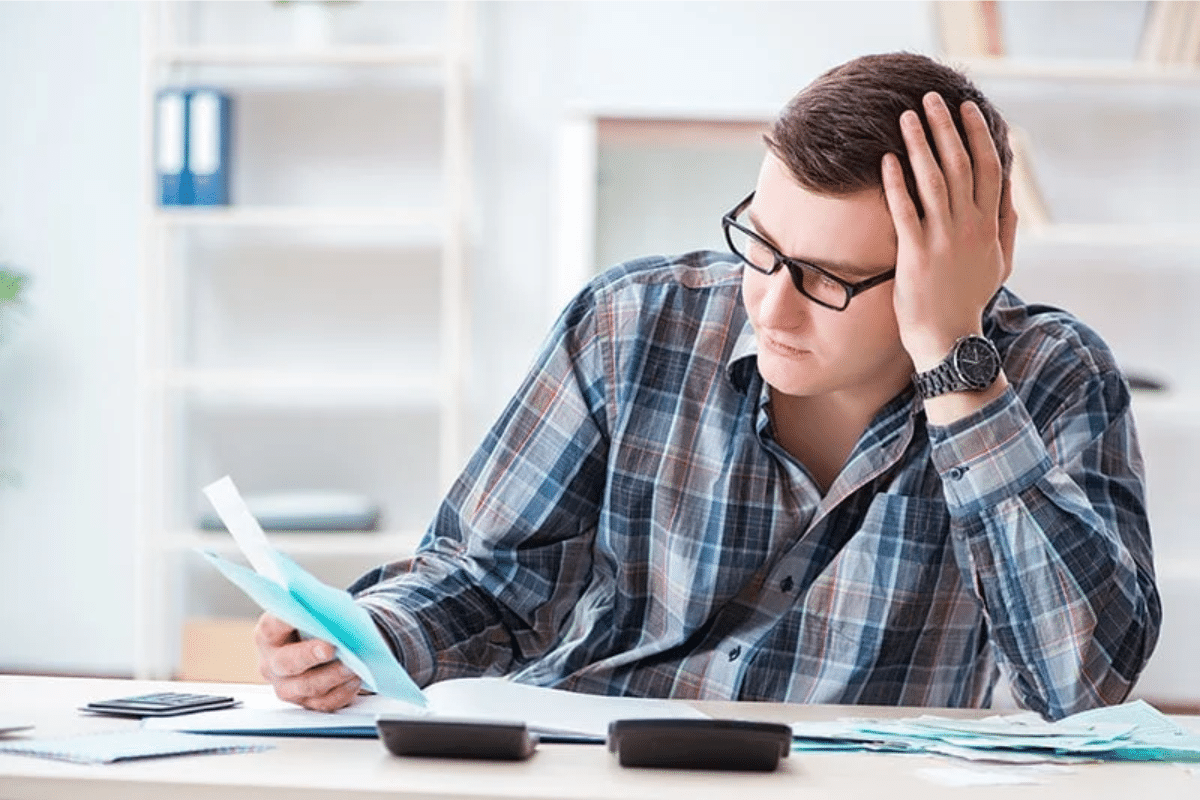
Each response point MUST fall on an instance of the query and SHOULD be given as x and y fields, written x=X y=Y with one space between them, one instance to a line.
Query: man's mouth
x=781 y=348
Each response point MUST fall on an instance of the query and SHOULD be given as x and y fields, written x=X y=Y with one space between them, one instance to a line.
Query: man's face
x=805 y=349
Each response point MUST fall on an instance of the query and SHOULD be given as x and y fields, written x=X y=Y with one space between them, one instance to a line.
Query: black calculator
x=161 y=704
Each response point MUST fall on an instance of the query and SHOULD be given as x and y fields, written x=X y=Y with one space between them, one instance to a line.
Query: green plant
x=12 y=284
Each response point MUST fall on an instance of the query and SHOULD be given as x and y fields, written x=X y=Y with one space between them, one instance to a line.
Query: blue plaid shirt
x=631 y=526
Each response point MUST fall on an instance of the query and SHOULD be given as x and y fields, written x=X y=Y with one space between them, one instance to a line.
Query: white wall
x=69 y=167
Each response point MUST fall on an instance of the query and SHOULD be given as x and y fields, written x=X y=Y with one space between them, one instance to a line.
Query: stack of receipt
x=1131 y=732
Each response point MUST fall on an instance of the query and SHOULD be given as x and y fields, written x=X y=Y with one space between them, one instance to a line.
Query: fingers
x=296 y=658
x=931 y=184
x=273 y=632
x=988 y=175
x=900 y=203
x=338 y=697
x=325 y=688
x=302 y=672
x=965 y=179
x=955 y=161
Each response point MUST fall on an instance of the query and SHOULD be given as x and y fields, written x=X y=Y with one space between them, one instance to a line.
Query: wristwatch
x=972 y=366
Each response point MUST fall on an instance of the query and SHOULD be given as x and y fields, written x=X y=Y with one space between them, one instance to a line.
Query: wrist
x=930 y=349
x=972 y=365
x=947 y=409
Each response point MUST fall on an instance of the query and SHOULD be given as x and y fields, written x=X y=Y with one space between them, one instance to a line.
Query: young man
x=840 y=464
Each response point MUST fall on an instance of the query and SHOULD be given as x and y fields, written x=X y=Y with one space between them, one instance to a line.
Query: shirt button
x=787 y=584
x=956 y=473
x=734 y=653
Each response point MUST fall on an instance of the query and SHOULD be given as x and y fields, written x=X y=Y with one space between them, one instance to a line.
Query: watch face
x=976 y=361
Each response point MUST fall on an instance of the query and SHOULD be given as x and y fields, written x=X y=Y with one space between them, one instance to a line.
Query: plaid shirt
x=631 y=526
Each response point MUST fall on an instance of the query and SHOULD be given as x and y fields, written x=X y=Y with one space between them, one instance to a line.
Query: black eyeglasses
x=810 y=280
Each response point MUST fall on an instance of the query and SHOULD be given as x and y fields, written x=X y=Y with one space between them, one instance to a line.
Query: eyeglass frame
x=794 y=266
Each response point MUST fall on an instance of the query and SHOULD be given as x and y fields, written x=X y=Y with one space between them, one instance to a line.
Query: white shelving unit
x=312 y=334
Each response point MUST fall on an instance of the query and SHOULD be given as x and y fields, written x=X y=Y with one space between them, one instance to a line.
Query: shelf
x=298 y=216
x=341 y=55
x=313 y=333
x=1078 y=70
x=1179 y=409
x=1122 y=234
x=397 y=544
x=305 y=389
x=1175 y=569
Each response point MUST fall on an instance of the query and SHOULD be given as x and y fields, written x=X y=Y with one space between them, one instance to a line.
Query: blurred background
x=315 y=245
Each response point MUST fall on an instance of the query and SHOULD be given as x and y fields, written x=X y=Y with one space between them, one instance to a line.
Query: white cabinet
x=311 y=335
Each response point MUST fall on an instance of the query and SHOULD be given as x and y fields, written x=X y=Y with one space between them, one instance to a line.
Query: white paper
x=245 y=528
x=544 y=710
x=106 y=748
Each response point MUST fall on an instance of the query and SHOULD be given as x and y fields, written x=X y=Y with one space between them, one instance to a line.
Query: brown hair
x=833 y=134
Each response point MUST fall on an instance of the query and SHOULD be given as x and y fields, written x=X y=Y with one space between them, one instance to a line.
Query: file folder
x=208 y=146
x=170 y=148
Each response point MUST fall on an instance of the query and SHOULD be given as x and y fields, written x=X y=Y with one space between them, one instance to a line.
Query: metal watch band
x=947 y=376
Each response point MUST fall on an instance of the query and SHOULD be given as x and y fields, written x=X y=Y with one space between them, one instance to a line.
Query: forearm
x=436 y=621
x=1057 y=549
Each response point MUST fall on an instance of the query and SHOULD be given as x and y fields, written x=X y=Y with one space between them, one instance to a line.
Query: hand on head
x=953 y=260
x=304 y=672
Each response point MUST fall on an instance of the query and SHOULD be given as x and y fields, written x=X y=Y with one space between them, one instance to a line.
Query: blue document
x=283 y=588
x=170 y=148
x=322 y=612
x=208 y=146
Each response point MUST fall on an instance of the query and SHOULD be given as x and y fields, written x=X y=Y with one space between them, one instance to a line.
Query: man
x=840 y=464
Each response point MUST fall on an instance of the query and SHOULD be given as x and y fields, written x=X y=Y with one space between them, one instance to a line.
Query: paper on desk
x=1131 y=732
x=546 y=711
x=286 y=590
x=106 y=748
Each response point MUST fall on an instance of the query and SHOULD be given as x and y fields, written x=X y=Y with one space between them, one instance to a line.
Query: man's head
x=819 y=199
x=833 y=134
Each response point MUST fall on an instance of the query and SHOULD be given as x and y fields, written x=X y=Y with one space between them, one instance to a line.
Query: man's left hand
x=950 y=263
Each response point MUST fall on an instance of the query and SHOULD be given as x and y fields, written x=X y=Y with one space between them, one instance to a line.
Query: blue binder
x=209 y=129
x=170 y=148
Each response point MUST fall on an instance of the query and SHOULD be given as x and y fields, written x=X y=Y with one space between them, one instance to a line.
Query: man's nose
x=782 y=304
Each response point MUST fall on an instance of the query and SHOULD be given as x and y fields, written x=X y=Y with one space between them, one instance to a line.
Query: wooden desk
x=305 y=769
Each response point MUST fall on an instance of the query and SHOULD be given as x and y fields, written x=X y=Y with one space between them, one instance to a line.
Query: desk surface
x=305 y=769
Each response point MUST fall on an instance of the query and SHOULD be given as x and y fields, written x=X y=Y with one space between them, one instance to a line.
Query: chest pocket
x=886 y=578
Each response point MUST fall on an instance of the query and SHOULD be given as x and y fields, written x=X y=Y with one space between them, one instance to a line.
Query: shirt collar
x=743 y=359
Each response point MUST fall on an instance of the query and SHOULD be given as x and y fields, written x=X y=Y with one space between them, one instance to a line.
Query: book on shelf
x=1170 y=33
x=1027 y=196
x=209 y=133
x=970 y=29
x=192 y=146
x=170 y=148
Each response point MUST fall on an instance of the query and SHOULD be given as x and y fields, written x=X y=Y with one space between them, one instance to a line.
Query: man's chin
x=784 y=376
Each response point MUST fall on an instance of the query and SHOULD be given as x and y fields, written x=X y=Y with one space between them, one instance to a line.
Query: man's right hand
x=302 y=672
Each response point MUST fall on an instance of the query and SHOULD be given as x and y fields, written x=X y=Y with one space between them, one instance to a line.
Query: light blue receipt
x=323 y=612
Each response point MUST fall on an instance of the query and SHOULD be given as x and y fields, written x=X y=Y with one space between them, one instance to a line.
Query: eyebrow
x=851 y=272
